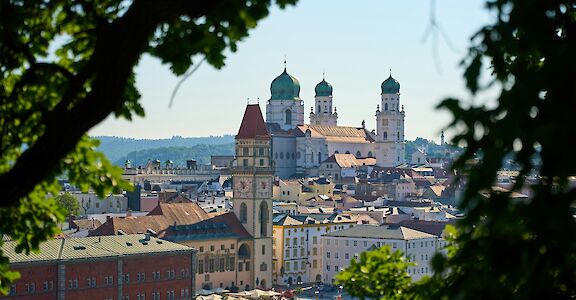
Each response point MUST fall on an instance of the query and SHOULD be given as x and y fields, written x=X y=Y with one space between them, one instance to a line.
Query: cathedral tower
x=285 y=107
x=252 y=181
x=323 y=105
x=390 y=144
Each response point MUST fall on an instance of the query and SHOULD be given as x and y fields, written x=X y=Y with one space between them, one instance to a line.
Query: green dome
x=390 y=86
x=323 y=88
x=285 y=87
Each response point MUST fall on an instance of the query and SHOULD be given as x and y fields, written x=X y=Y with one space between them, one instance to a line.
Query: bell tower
x=390 y=142
x=252 y=182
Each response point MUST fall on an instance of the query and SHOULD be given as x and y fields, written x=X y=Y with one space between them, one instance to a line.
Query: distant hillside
x=116 y=148
x=178 y=155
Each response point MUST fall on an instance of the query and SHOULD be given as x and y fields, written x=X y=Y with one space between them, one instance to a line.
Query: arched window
x=243 y=251
x=385 y=106
x=288 y=118
x=358 y=154
x=243 y=213
x=385 y=135
x=319 y=157
x=263 y=219
x=370 y=154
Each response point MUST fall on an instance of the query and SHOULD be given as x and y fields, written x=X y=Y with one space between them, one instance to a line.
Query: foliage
x=507 y=248
x=68 y=203
x=379 y=274
x=65 y=66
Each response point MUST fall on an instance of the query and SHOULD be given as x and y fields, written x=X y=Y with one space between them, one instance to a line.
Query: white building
x=90 y=203
x=341 y=246
x=297 y=254
x=299 y=149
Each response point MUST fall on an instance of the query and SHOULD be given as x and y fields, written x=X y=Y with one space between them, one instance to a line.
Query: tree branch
x=111 y=68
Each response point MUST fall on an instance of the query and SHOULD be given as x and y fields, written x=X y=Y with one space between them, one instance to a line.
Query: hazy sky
x=354 y=42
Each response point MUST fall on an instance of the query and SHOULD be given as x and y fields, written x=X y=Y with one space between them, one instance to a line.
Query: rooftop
x=89 y=247
x=390 y=232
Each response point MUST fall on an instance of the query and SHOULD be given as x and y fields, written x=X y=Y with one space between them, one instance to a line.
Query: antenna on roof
x=248 y=100
x=258 y=100
x=323 y=75
x=284 y=62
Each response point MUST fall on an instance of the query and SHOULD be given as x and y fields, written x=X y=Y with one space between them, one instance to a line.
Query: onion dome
x=323 y=88
x=390 y=86
x=285 y=87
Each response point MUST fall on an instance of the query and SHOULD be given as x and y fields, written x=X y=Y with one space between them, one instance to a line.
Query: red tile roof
x=253 y=125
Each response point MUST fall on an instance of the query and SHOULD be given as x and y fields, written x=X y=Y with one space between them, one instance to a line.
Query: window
x=263 y=249
x=211 y=265
x=319 y=157
x=358 y=154
x=287 y=267
x=261 y=151
x=355 y=243
x=365 y=243
x=314 y=251
x=201 y=248
x=263 y=219
x=261 y=162
x=243 y=213
x=295 y=252
x=385 y=106
x=231 y=263
x=398 y=135
x=211 y=247
x=314 y=264
x=288 y=116
x=302 y=265
x=327 y=267
x=336 y=255
x=314 y=240
x=295 y=241
x=301 y=240
x=221 y=264
x=385 y=135
x=346 y=256
x=247 y=266
x=240 y=265
x=302 y=252
x=200 y=266
x=327 y=254
x=347 y=243
x=245 y=162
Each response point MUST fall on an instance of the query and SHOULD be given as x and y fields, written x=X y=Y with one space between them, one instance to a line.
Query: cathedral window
x=288 y=115
x=263 y=219
x=243 y=213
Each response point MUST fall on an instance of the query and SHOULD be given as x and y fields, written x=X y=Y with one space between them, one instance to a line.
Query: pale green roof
x=90 y=247
x=285 y=87
x=323 y=88
x=390 y=86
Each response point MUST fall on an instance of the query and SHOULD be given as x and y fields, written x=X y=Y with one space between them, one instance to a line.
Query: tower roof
x=390 y=86
x=285 y=87
x=253 y=125
x=323 y=88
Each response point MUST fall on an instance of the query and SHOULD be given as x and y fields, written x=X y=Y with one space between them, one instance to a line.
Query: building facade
x=298 y=149
x=252 y=185
x=341 y=246
x=109 y=267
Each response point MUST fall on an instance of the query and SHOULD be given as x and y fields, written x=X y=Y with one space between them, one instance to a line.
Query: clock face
x=242 y=187
x=263 y=188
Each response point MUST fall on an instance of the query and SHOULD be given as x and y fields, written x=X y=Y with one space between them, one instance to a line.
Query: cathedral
x=298 y=148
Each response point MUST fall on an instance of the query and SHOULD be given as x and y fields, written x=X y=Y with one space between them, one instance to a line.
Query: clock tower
x=252 y=182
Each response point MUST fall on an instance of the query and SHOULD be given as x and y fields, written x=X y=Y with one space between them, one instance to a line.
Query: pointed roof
x=253 y=125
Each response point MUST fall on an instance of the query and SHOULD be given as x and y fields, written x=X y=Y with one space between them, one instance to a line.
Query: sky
x=355 y=43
